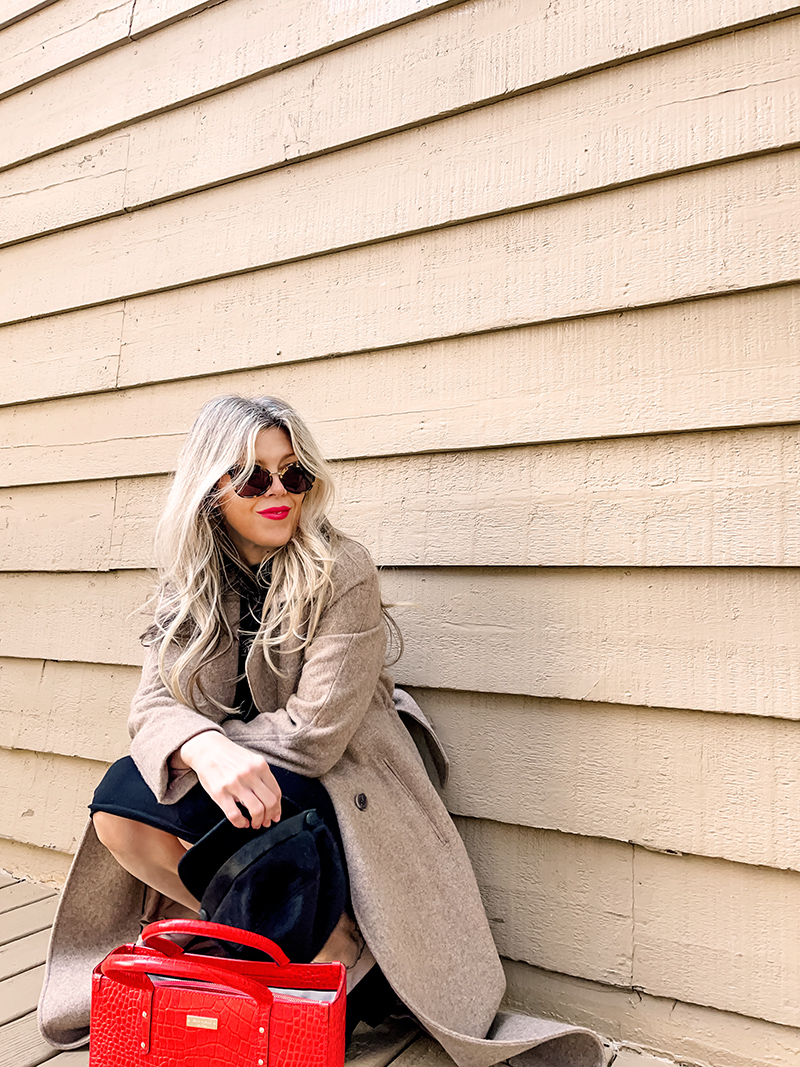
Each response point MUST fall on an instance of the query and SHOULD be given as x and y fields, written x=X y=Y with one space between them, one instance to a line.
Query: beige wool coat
x=332 y=715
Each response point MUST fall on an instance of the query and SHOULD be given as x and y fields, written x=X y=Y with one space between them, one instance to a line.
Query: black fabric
x=252 y=592
x=124 y=792
x=286 y=882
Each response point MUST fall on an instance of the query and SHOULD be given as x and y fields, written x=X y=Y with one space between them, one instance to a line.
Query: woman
x=308 y=709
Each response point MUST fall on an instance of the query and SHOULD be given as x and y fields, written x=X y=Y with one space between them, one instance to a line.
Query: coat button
x=361 y=801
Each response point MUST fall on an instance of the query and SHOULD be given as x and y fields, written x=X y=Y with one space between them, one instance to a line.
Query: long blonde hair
x=197 y=561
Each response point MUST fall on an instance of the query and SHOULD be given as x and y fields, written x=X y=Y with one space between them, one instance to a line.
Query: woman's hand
x=229 y=774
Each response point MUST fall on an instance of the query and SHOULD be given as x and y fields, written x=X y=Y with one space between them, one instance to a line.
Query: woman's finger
x=253 y=805
x=230 y=811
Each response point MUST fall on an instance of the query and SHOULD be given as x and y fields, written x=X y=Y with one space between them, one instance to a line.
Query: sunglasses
x=294 y=479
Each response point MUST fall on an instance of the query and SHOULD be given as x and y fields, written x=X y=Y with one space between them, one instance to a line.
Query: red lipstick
x=275 y=513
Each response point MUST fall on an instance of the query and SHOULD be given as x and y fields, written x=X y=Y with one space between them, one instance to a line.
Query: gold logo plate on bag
x=202 y=1021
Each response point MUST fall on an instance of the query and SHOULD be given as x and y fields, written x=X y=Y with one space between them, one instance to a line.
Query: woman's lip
x=275 y=513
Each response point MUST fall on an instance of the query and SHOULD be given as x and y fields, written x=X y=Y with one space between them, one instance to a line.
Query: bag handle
x=152 y=936
x=124 y=968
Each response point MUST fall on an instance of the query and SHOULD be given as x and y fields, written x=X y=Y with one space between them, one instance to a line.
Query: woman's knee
x=119 y=835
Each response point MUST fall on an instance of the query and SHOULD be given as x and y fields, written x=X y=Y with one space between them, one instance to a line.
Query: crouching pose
x=265 y=680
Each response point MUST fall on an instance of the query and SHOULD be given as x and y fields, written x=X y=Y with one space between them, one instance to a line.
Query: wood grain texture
x=78 y=1058
x=67 y=354
x=19 y=956
x=688 y=1032
x=60 y=190
x=721 y=639
x=62 y=522
x=23 y=1045
x=27 y=920
x=172 y=66
x=688 y=107
x=564 y=259
x=19 y=995
x=723 y=362
x=738 y=925
x=45 y=802
x=73 y=709
x=726 y=498
x=613 y=251
x=554 y=900
x=12 y=11
x=719 y=786
x=681 y=780
x=22 y=893
x=713 y=640
x=57 y=37
x=44 y=865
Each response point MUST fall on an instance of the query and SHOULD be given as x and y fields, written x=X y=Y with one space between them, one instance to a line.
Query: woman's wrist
x=182 y=758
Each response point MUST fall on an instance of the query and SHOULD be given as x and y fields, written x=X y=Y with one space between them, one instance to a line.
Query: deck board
x=28 y=919
x=21 y=893
x=20 y=995
x=22 y=1045
x=24 y=953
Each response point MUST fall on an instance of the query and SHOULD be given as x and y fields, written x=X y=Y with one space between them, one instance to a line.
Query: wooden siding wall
x=532 y=272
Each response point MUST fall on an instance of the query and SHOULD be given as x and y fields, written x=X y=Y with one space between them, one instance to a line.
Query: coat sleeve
x=341 y=668
x=158 y=725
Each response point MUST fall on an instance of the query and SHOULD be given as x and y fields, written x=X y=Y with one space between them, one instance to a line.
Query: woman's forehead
x=273 y=447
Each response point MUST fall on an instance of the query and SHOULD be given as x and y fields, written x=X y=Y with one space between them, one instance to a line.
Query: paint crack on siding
x=130 y=22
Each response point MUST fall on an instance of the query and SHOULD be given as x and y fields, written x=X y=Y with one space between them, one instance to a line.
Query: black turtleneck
x=252 y=592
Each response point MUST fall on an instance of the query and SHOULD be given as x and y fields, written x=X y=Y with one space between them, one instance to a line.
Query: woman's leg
x=148 y=854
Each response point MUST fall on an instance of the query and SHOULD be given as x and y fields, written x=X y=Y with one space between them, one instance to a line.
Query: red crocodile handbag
x=154 y=1005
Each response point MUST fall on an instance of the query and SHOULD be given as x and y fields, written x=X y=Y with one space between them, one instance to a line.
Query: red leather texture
x=157 y=1006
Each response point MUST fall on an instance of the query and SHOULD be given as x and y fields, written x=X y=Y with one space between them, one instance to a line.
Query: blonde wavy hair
x=197 y=561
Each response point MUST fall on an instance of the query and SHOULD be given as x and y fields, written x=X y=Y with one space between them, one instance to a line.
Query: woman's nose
x=277 y=487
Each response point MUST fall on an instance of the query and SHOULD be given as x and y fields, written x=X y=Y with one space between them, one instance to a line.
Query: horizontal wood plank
x=733 y=229
x=728 y=498
x=19 y=995
x=45 y=802
x=718 y=786
x=688 y=1032
x=22 y=893
x=26 y=952
x=171 y=66
x=23 y=1045
x=57 y=37
x=738 y=925
x=484 y=276
x=27 y=920
x=78 y=1058
x=57 y=191
x=553 y=900
x=150 y=15
x=680 y=780
x=722 y=639
x=727 y=361
x=73 y=709
x=685 y=108
x=62 y=355
x=711 y=640
x=12 y=11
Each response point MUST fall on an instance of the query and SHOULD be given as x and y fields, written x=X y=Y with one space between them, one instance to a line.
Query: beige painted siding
x=533 y=273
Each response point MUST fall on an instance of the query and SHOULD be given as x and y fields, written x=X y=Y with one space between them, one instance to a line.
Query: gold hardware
x=201 y=1021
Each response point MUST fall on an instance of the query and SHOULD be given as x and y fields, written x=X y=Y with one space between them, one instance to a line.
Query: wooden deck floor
x=26 y=914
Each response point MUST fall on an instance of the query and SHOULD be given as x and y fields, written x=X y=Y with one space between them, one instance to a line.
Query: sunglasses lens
x=296 y=479
x=258 y=483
